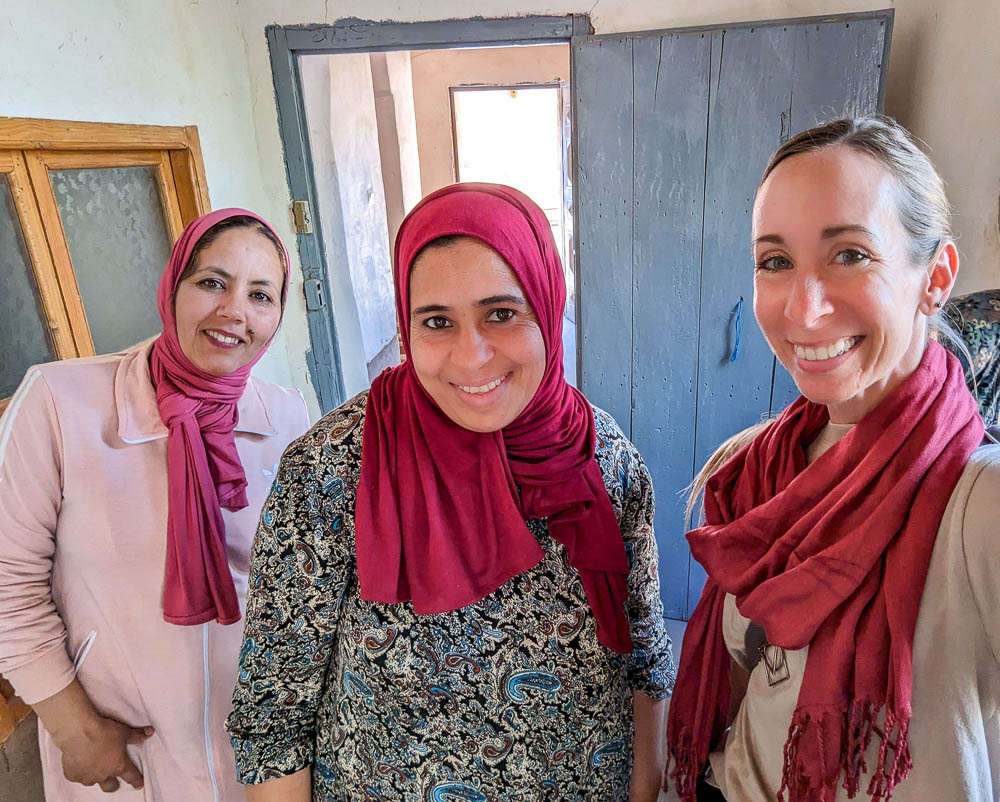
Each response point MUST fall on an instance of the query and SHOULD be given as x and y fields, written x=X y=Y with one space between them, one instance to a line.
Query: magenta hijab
x=204 y=473
x=438 y=518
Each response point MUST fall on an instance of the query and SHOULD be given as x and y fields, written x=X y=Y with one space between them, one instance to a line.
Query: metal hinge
x=313 y=288
x=302 y=216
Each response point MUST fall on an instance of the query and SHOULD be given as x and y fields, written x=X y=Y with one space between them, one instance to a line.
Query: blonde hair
x=722 y=454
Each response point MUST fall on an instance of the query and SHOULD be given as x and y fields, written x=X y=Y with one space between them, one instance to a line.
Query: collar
x=139 y=416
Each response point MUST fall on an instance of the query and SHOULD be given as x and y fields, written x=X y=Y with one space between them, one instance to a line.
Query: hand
x=96 y=754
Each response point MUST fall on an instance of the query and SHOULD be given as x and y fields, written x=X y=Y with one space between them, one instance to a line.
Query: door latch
x=313 y=289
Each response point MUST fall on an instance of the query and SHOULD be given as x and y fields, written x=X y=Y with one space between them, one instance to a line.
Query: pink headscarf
x=438 y=518
x=204 y=472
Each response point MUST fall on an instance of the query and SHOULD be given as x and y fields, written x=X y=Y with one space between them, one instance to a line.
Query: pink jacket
x=83 y=507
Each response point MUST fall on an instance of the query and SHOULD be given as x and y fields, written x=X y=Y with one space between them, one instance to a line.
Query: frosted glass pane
x=24 y=334
x=118 y=240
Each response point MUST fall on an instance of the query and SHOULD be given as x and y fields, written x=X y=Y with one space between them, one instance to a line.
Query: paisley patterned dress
x=976 y=317
x=511 y=699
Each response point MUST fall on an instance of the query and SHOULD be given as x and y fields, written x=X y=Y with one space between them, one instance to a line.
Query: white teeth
x=842 y=345
x=222 y=338
x=484 y=388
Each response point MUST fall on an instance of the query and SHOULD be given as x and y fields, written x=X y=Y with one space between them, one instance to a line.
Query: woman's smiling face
x=835 y=290
x=230 y=305
x=475 y=343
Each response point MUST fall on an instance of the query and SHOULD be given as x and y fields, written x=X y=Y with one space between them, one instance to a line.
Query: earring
x=939 y=304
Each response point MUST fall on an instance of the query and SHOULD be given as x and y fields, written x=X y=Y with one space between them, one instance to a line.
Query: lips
x=222 y=337
x=482 y=389
x=823 y=352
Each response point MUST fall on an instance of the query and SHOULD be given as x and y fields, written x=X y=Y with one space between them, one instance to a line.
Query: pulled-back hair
x=921 y=202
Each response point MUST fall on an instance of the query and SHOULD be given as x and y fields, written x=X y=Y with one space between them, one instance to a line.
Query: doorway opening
x=387 y=127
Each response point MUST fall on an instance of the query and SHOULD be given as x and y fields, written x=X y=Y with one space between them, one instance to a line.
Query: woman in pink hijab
x=130 y=486
x=454 y=583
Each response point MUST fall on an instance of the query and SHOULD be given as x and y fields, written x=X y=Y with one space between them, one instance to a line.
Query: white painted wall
x=401 y=85
x=317 y=96
x=353 y=131
x=175 y=62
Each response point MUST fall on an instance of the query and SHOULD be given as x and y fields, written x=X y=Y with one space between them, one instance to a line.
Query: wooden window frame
x=31 y=148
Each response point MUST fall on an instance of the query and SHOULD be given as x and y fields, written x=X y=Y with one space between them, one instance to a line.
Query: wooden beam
x=24 y=133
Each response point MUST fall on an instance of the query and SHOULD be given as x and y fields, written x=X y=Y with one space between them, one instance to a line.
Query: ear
x=940 y=280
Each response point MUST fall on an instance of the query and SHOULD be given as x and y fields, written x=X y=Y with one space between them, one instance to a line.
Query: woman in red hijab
x=130 y=487
x=845 y=645
x=454 y=583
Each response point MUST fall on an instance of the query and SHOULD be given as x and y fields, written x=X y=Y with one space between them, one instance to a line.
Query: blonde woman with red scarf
x=130 y=487
x=846 y=642
x=454 y=592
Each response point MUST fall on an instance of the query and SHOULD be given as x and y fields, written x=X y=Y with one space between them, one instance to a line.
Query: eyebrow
x=493 y=299
x=828 y=233
x=218 y=271
x=836 y=231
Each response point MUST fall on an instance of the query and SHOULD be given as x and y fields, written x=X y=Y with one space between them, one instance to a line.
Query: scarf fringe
x=887 y=776
x=687 y=767
x=858 y=725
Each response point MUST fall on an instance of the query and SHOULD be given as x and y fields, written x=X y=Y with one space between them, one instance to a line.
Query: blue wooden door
x=673 y=130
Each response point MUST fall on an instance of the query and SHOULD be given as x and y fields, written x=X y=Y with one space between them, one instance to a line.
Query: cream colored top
x=955 y=728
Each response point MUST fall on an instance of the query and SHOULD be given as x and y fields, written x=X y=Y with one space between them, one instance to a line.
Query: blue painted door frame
x=666 y=174
x=286 y=44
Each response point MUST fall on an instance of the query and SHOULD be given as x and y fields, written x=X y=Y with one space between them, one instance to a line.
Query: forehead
x=465 y=267
x=829 y=187
x=240 y=248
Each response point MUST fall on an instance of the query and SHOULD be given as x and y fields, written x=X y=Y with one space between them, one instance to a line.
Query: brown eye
x=437 y=322
x=501 y=315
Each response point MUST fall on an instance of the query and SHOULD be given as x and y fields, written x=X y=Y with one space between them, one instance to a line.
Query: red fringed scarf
x=204 y=472
x=833 y=556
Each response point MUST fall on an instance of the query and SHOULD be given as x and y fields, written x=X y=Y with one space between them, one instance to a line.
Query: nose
x=472 y=348
x=232 y=306
x=808 y=302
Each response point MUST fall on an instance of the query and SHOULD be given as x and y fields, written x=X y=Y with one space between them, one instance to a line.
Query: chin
x=480 y=425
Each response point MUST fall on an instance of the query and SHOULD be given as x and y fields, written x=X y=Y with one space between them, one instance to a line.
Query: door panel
x=604 y=220
x=749 y=114
x=673 y=131
x=671 y=120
